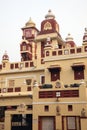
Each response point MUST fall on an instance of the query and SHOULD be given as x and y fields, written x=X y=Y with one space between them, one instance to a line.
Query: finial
x=50 y=15
x=30 y=23
x=85 y=31
x=69 y=37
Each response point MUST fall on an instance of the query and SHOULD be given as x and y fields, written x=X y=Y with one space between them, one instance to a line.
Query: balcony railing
x=66 y=51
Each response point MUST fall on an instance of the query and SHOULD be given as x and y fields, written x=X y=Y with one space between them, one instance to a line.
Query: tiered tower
x=28 y=45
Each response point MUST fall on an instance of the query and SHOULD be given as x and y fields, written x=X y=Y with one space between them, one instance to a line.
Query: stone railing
x=65 y=51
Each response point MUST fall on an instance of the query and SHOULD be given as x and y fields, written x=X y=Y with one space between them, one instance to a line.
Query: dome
x=49 y=24
x=69 y=40
x=5 y=56
x=30 y=23
x=50 y=15
x=85 y=35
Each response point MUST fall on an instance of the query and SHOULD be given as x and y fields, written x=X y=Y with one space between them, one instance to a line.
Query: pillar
x=7 y=121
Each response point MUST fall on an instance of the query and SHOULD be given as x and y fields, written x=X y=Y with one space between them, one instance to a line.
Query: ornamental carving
x=47 y=26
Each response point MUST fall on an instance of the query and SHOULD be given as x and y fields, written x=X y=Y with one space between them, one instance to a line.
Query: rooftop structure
x=47 y=88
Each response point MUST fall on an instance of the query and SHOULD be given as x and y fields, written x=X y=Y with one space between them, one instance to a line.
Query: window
x=16 y=65
x=42 y=79
x=46 y=108
x=78 y=71
x=70 y=107
x=2 y=113
x=0 y=66
x=55 y=72
x=30 y=107
x=11 y=83
x=12 y=66
x=18 y=89
x=85 y=48
x=23 y=48
x=78 y=74
x=55 y=75
x=28 y=81
x=71 y=124
x=4 y=65
x=47 y=53
x=26 y=64
x=42 y=49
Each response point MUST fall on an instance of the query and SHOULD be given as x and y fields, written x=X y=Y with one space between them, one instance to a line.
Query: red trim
x=28 y=88
x=31 y=64
x=0 y=66
x=66 y=120
x=54 y=68
x=24 y=28
x=60 y=52
x=12 y=66
x=18 y=89
x=10 y=90
x=63 y=94
x=53 y=24
x=78 y=66
x=42 y=49
x=54 y=53
x=16 y=65
x=26 y=64
x=78 y=50
x=72 y=51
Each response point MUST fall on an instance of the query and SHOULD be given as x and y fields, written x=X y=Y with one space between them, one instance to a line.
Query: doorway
x=21 y=122
x=46 y=123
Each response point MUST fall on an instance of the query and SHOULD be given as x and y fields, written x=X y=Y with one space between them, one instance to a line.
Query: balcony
x=65 y=53
x=16 y=91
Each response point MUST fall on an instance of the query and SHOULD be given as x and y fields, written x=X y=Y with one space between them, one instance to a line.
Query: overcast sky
x=71 y=16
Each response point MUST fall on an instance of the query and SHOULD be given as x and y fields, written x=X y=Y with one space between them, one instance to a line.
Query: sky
x=71 y=16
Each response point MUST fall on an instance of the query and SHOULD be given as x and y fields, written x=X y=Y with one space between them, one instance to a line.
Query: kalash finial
x=50 y=15
x=30 y=23
x=85 y=30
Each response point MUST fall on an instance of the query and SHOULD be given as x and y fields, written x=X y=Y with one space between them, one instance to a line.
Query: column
x=7 y=121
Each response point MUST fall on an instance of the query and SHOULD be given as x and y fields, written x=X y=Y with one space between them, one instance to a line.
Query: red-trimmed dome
x=85 y=36
x=49 y=25
x=5 y=56
x=69 y=40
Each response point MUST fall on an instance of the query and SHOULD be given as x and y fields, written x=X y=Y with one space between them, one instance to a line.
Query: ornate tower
x=28 y=46
x=49 y=36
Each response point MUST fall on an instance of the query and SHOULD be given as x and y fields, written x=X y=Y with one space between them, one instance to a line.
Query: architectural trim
x=44 y=103
x=63 y=57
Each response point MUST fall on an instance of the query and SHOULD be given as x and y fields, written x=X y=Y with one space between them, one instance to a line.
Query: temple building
x=47 y=88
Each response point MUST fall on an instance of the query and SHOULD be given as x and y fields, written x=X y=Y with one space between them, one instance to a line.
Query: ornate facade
x=47 y=89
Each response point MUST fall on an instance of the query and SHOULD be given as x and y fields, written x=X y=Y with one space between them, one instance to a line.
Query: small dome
x=85 y=36
x=5 y=56
x=50 y=15
x=69 y=40
x=30 y=23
